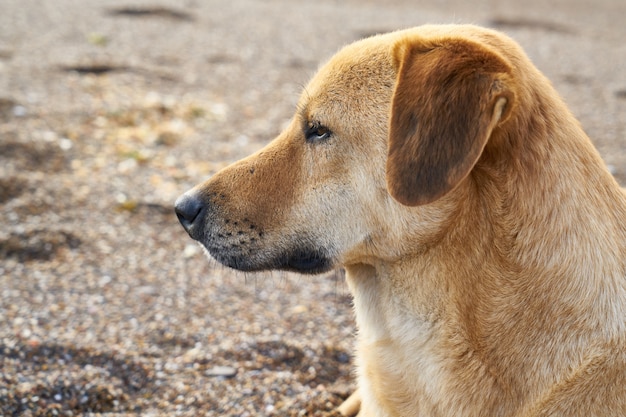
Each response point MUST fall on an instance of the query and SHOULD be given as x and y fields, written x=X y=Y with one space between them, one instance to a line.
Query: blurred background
x=111 y=109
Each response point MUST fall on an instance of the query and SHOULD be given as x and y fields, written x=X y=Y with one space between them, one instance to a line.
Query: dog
x=482 y=236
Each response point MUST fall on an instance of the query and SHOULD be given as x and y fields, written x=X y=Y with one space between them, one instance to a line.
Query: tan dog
x=483 y=239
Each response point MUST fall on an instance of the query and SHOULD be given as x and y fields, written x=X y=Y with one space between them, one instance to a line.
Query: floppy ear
x=448 y=98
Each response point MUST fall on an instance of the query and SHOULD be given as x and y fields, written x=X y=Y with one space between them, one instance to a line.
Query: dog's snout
x=189 y=209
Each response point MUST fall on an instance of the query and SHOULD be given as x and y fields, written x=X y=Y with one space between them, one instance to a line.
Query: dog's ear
x=448 y=98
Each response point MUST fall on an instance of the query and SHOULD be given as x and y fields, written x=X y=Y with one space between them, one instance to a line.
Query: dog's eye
x=315 y=132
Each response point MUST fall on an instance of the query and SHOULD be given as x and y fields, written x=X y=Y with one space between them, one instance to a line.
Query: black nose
x=189 y=209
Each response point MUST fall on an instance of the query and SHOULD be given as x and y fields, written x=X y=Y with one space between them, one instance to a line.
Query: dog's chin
x=303 y=261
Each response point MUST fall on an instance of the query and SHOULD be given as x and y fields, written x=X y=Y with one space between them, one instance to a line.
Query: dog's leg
x=350 y=407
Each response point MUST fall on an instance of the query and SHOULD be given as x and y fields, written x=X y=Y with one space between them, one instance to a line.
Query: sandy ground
x=110 y=109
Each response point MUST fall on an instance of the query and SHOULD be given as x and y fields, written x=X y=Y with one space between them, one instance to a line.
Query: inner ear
x=447 y=101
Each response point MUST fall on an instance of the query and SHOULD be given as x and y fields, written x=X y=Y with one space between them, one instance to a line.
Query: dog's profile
x=483 y=239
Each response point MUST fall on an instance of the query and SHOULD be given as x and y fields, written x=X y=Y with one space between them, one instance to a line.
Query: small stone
x=190 y=251
x=223 y=371
x=104 y=280
x=299 y=309
x=97 y=39
x=65 y=144
x=19 y=111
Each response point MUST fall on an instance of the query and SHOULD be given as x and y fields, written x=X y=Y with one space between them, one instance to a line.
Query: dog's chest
x=398 y=358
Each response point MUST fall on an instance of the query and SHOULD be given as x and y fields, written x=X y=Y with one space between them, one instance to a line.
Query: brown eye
x=316 y=132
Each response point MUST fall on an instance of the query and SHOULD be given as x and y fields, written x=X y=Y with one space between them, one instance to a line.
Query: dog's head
x=373 y=163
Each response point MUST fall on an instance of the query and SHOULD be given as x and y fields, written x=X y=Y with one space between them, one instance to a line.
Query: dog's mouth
x=304 y=260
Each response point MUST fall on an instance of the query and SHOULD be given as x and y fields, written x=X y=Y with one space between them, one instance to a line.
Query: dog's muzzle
x=243 y=245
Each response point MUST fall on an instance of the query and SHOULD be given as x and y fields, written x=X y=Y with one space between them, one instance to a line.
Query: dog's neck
x=505 y=250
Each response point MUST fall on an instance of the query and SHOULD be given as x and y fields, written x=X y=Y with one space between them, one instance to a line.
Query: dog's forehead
x=360 y=73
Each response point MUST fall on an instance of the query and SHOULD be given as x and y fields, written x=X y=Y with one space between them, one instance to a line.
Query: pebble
x=223 y=371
